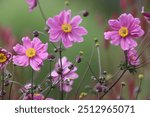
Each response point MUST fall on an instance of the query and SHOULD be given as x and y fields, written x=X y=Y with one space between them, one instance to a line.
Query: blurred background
x=16 y=21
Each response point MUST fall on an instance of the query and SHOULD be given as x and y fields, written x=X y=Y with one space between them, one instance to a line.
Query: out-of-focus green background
x=15 y=14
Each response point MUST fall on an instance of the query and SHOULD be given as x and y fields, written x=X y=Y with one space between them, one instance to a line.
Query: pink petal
x=124 y=44
x=76 y=21
x=114 y=24
x=43 y=56
x=36 y=63
x=21 y=60
x=26 y=42
x=19 y=49
x=80 y=30
x=66 y=42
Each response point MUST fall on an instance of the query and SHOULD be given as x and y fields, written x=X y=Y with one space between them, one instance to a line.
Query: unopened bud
x=141 y=76
x=96 y=42
x=35 y=33
x=123 y=83
x=85 y=13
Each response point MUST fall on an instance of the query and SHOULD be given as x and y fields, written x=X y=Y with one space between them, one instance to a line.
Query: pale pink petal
x=26 y=42
x=114 y=24
x=76 y=20
x=36 y=63
x=21 y=60
x=124 y=44
x=19 y=49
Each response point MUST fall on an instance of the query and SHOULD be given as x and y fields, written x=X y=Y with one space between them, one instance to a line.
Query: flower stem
x=113 y=84
x=32 y=83
x=41 y=11
x=11 y=85
x=60 y=57
x=2 y=90
x=99 y=61
x=139 y=89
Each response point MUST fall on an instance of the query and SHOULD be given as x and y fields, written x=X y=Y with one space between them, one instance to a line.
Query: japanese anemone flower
x=124 y=31
x=31 y=53
x=62 y=27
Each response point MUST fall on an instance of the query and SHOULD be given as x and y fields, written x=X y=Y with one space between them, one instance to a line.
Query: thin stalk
x=50 y=77
x=41 y=11
x=99 y=61
x=13 y=78
x=83 y=77
x=60 y=58
x=2 y=91
x=113 y=84
x=139 y=89
x=32 y=83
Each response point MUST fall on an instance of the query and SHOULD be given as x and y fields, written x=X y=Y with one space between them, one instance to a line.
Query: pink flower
x=31 y=53
x=146 y=15
x=32 y=4
x=133 y=57
x=124 y=30
x=62 y=27
x=68 y=75
x=5 y=58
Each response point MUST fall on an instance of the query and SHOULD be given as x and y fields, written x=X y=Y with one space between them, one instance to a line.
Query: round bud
x=85 y=13
x=51 y=57
x=123 y=83
x=140 y=76
x=35 y=33
x=46 y=29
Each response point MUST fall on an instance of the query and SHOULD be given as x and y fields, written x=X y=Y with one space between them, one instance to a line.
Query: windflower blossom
x=69 y=75
x=124 y=31
x=32 y=4
x=62 y=27
x=31 y=53
x=133 y=57
x=5 y=58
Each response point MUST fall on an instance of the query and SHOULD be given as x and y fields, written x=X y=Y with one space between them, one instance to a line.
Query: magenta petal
x=36 y=63
x=76 y=20
x=80 y=30
x=43 y=56
x=114 y=24
x=26 y=42
x=19 y=49
x=66 y=42
x=124 y=44
x=21 y=60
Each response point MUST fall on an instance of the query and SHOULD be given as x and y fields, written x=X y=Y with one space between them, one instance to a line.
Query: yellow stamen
x=66 y=28
x=3 y=58
x=30 y=52
x=123 y=32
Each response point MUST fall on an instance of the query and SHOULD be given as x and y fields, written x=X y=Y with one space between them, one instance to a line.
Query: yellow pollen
x=66 y=28
x=36 y=94
x=123 y=32
x=30 y=52
x=3 y=58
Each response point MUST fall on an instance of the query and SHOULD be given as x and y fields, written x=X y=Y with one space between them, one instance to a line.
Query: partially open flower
x=133 y=57
x=5 y=58
x=68 y=75
x=32 y=4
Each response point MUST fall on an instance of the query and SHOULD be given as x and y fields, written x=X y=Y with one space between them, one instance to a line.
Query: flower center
x=3 y=58
x=123 y=32
x=30 y=52
x=66 y=28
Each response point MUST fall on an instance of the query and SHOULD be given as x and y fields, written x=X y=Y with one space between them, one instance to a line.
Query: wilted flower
x=146 y=15
x=31 y=53
x=124 y=30
x=68 y=75
x=62 y=27
x=5 y=58
x=32 y=4
x=133 y=57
